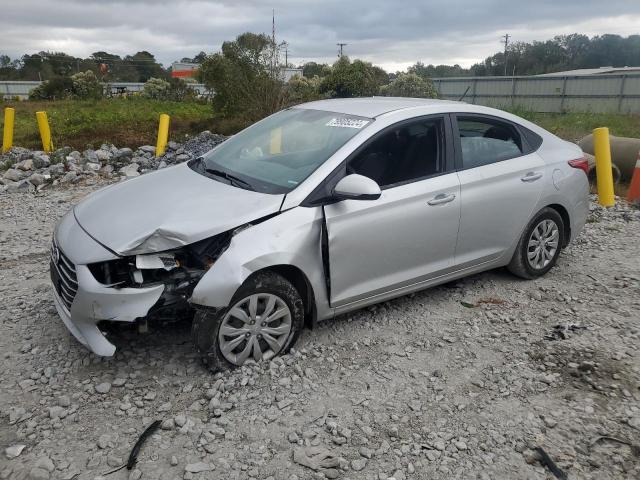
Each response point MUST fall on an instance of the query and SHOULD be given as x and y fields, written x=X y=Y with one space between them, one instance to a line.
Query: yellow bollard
x=604 y=175
x=7 y=134
x=163 y=135
x=275 y=146
x=45 y=131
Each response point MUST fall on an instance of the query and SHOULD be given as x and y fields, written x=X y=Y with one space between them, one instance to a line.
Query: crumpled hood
x=167 y=209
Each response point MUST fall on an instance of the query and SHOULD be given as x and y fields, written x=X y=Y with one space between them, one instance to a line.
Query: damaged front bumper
x=81 y=301
x=94 y=302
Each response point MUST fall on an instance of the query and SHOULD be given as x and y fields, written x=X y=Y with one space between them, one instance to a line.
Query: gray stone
x=103 y=155
x=103 y=441
x=56 y=169
x=56 y=412
x=46 y=464
x=103 y=388
x=130 y=170
x=198 y=467
x=37 y=179
x=359 y=464
x=366 y=452
x=92 y=167
x=69 y=177
x=91 y=156
x=13 y=175
x=124 y=153
x=38 y=474
x=21 y=186
x=180 y=420
x=25 y=164
x=14 y=451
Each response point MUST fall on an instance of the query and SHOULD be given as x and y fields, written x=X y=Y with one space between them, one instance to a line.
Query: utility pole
x=285 y=45
x=506 y=44
x=341 y=46
x=273 y=42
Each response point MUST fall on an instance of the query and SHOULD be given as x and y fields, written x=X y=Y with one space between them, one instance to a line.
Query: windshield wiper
x=232 y=178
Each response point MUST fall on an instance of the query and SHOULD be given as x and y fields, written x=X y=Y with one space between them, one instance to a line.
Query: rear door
x=409 y=233
x=501 y=180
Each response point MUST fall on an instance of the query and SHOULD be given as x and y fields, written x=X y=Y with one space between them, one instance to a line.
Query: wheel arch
x=566 y=220
x=301 y=283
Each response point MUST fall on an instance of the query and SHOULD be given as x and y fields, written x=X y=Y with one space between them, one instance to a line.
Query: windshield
x=279 y=152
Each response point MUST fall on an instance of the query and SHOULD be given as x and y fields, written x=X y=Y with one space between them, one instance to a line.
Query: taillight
x=581 y=163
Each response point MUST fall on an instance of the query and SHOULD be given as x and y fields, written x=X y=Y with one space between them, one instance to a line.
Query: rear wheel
x=263 y=320
x=539 y=246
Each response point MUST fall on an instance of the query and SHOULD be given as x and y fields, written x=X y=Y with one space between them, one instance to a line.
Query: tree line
x=108 y=67
x=564 y=52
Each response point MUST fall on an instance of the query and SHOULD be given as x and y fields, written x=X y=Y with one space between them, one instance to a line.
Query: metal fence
x=19 y=89
x=579 y=93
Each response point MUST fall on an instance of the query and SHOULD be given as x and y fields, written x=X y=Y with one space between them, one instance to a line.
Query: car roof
x=372 y=107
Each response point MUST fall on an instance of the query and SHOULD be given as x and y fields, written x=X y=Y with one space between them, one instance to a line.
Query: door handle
x=531 y=177
x=441 y=199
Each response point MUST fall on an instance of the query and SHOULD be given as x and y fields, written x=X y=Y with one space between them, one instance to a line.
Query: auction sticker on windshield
x=347 y=122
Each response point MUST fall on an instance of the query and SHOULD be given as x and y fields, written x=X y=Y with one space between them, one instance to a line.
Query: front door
x=409 y=233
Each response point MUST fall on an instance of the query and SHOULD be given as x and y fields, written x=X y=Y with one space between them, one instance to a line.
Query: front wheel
x=263 y=320
x=539 y=246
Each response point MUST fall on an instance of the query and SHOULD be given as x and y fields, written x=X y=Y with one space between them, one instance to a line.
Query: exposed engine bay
x=179 y=270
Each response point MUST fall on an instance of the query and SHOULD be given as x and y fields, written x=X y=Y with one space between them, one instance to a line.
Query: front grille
x=63 y=275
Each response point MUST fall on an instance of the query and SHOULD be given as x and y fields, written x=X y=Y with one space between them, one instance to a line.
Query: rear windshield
x=276 y=154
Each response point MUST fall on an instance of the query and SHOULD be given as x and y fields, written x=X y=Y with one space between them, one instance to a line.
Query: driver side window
x=402 y=154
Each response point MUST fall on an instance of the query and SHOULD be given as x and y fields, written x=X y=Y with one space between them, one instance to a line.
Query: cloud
x=391 y=34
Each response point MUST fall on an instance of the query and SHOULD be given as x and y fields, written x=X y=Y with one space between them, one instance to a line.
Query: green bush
x=156 y=88
x=57 y=88
x=86 y=86
x=82 y=85
x=175 y=90
x=353 y=79
x=302 y=89
x=410 y=85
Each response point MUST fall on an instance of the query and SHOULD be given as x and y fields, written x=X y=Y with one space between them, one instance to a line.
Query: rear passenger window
x=485 y=141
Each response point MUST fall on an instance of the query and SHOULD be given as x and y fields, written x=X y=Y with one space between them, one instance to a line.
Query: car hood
x=167 y=209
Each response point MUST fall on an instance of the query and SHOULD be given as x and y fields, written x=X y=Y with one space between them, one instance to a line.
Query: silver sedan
x=315 y=211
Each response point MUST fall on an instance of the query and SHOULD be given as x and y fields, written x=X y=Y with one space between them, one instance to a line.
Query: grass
x=574 y=126
x=133 y=121
x=125 y=122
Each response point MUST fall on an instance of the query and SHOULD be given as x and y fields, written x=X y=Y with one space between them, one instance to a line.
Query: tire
x=213 y=345
x=520 y=264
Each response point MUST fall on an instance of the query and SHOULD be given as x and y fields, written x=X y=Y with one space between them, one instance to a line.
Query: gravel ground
x=460 y=381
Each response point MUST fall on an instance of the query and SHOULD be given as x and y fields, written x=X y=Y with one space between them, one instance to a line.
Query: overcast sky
x=392 y=34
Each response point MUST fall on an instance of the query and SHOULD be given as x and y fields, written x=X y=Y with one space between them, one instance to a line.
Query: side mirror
x=356 y=187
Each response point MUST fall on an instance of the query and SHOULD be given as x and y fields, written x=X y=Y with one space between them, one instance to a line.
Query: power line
x=340 y=46
x=506 y=44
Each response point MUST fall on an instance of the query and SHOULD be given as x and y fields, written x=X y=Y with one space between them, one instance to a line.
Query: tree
x=313 y=69
x=353 y=79
x=410 y=85
x=245 y=78
x=199 y=58
x=302 y=89
x=431 y=71
x=143 y=66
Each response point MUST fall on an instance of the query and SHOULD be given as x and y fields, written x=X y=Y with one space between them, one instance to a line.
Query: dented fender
x=291 y=238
